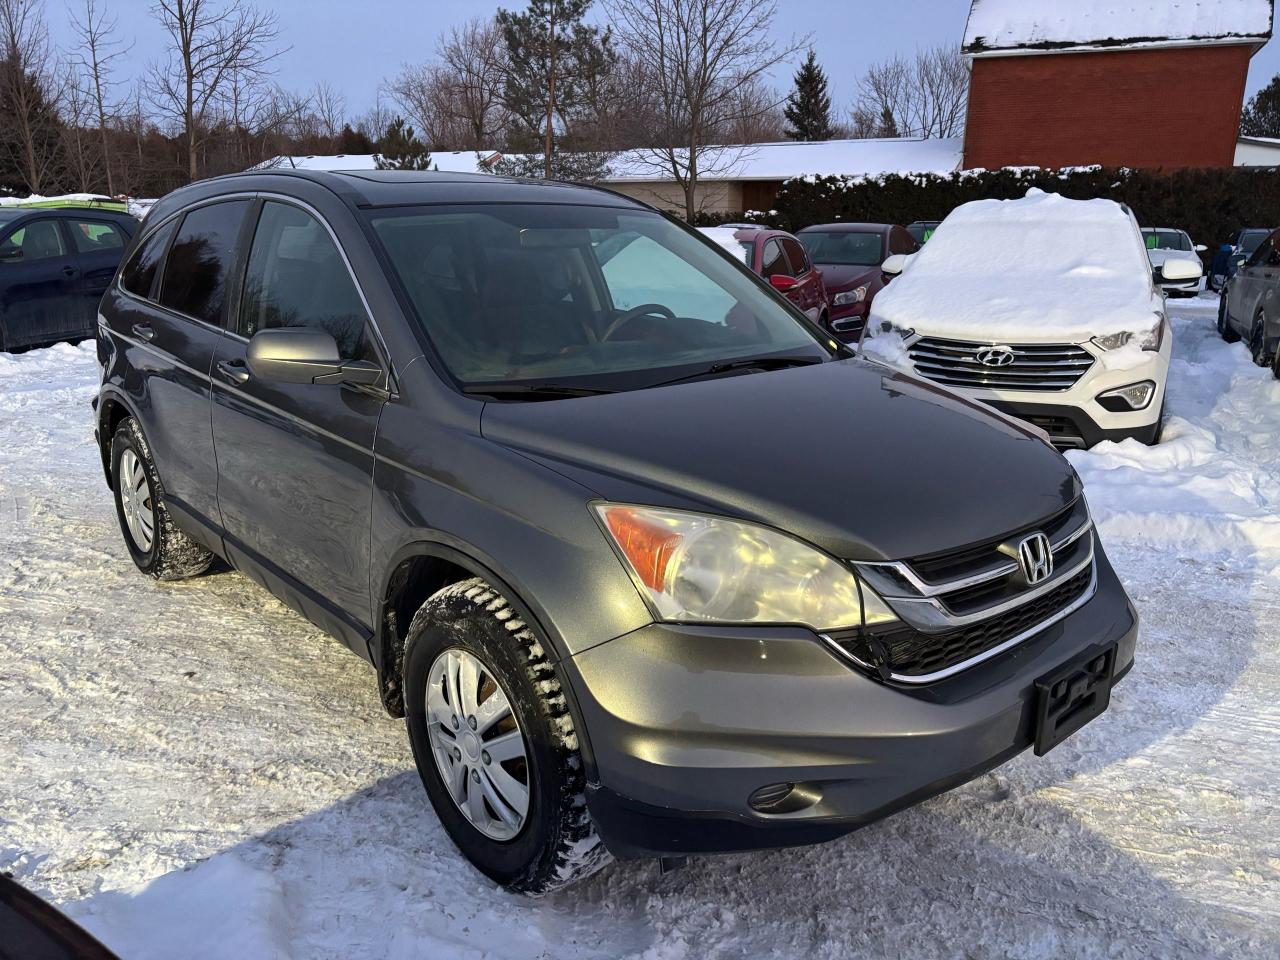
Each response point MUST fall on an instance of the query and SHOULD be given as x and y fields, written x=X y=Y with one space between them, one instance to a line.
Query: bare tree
x=210 y=44
x=98 y=48
x=697 y=55
x=471 y=67
x=30 y=129
x=925 y=96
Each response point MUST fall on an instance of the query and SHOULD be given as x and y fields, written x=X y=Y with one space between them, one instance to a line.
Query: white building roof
x=456 y=161
x=1031 y=26
x=787 y=159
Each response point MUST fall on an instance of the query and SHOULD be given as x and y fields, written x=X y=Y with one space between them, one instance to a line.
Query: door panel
x=295 y=461
x=39 y=290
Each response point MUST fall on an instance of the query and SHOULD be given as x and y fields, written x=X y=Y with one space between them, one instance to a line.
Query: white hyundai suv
x=1045 y=308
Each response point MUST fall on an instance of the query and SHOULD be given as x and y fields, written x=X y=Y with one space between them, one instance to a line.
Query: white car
x=1044 y=308
x=1166 y=243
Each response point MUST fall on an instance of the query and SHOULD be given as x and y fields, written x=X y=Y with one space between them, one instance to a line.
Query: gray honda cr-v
x=649 y=564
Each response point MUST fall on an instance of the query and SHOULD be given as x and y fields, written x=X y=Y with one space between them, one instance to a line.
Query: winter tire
x=1224 y=323
x=157 y=546
x=1258 y=340
x=495 y=743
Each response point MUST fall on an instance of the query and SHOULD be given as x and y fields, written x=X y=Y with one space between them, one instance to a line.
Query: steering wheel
x=644 y=310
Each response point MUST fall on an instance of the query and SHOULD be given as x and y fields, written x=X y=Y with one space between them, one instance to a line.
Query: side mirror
x=10 y=253
x=1200 y=248
x=305 y=355
x=1181 y=269
x=782 y=283
x=895 y=264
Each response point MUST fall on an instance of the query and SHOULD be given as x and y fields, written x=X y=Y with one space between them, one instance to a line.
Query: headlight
x=1148 y=340
x=856 y=295
x=694 y=568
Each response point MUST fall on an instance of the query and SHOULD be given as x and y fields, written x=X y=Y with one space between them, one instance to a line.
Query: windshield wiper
x=754 y=363
x=533 y=391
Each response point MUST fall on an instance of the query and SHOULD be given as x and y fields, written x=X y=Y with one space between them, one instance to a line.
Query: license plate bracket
x=1072 y=695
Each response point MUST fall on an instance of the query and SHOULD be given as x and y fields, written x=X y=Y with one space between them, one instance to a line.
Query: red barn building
x=1121 y=83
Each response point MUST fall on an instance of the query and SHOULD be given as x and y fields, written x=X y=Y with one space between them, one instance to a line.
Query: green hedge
x=1209 y=204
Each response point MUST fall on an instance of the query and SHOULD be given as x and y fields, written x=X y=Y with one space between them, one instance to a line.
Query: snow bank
x=1040 y=268
x=1053 y=24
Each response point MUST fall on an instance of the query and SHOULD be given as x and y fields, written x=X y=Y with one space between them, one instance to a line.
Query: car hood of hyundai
x=867 y=463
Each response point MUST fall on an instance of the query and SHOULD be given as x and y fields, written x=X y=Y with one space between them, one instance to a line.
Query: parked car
x=1248 y=306
x=1164 y=244
x=1232 y=255
x=849 y=256
x=922 y=230
x=1045 y=308
x=778 y=257
x=594 y=504
x=55 y=265
x=31 y=929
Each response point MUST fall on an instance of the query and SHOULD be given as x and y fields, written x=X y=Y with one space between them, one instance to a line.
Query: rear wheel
x=156 y=545
x=1258 y=340
x=495 y=743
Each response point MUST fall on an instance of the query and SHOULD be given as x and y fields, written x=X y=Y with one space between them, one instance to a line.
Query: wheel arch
x=113 y=407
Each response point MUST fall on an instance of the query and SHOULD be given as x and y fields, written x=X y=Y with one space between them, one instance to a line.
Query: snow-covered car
x=1248 y=305
x=1042 y=307
x=1166 y=243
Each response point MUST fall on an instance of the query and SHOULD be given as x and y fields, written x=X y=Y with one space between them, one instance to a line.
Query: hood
x=866 y=463
x=839 y=277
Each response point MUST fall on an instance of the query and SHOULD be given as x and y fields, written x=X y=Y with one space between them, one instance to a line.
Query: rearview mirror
x=305 y=355
x=781 y=282
x=1181 y=269
x=895 y=264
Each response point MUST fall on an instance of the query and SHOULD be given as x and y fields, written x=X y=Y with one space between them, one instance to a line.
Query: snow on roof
x=1043 y=268
x=787 y=159
x=1052 y=25
x=448 y=161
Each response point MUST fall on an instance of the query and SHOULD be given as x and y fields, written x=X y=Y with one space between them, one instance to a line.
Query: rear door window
x=139 y=274
x=199 y=265
x=795 y=252
x=297 y=278
x=97 y=236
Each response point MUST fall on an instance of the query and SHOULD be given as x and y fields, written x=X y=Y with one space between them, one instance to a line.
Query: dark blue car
x=1229 y=256
x=55 y=265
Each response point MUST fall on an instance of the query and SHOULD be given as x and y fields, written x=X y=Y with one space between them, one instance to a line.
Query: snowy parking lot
x=193 y=771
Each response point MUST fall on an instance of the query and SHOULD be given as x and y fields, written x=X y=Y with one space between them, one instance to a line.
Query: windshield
x=590 y=296
x=1166 y=240
x=843 y=248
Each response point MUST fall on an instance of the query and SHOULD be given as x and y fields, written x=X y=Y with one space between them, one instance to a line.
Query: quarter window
x=40 y=240
x=96 y=236
x=200 y=261
x=297 y=278
x=139 y=274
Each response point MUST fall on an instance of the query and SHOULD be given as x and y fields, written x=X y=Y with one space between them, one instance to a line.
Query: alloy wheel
x=136 y=501
x=477 y=744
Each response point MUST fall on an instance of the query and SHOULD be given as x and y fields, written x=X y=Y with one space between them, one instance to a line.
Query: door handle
x=144 y=331
x=69 y=271
x=233 y=370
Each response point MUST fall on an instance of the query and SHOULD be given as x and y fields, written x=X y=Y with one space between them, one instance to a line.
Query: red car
x=849 y=256
x=780 y=258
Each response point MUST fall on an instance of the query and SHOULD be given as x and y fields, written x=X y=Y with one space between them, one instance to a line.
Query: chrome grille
x=1041 y=367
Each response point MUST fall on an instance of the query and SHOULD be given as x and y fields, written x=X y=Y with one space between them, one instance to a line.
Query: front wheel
x=1258 y=340
x=495 y=743
x=1224 y=321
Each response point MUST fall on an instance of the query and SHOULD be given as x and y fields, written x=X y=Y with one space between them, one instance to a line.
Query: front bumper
x=686 y=723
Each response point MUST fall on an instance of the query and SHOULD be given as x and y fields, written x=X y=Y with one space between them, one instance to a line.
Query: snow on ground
x=193 y=771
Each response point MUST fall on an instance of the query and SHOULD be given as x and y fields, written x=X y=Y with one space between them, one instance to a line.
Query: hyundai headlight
x=1147 y=340
x=856 y=295
x=694 y=568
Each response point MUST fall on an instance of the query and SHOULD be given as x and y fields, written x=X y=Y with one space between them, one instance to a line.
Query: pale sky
x=354 y=44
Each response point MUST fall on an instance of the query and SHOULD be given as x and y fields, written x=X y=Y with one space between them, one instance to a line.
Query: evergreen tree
x=354 y=141
x=552 y=57
x=1261 y=116
x=808 y=109
x=888 y=124
x=399 y=149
